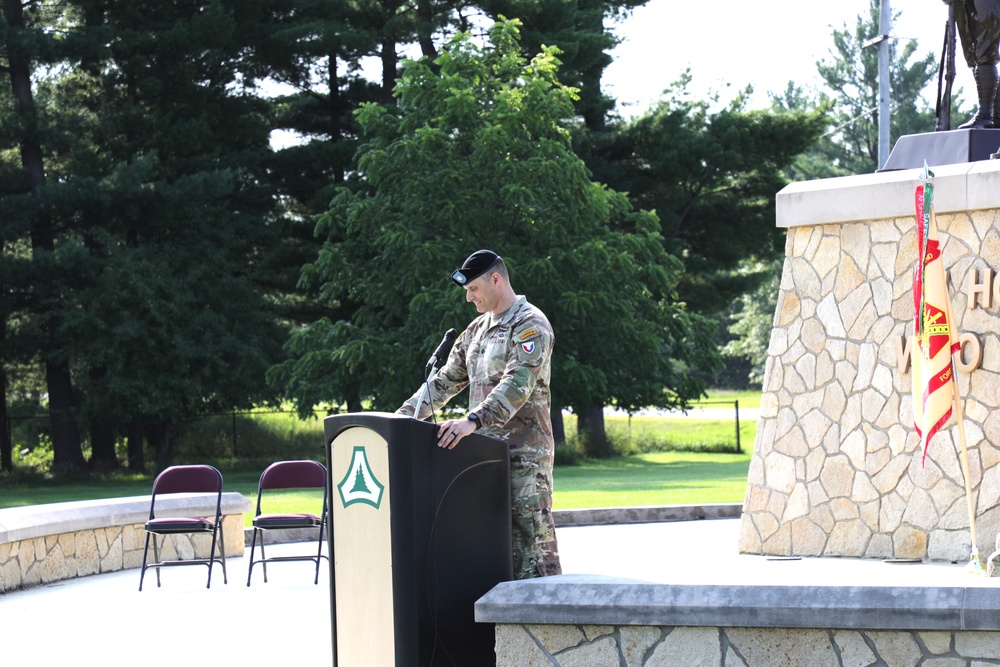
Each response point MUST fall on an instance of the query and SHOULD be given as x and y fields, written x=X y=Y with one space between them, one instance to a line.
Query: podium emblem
x=359 y=484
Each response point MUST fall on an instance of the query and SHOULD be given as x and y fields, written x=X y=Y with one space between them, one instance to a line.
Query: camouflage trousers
x=536 y=553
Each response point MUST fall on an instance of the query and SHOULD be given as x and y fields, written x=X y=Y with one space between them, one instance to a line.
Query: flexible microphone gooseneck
x=449 y=337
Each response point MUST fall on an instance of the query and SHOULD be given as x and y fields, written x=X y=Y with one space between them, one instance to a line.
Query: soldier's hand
x=451 y=431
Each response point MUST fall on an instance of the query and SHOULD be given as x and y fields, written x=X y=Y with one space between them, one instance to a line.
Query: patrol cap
x=475 y=265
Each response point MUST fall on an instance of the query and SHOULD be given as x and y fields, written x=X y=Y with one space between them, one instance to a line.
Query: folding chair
x=185 y=479
x=285 y=475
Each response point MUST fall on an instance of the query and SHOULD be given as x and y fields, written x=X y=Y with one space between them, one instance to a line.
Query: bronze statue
x=978 y=25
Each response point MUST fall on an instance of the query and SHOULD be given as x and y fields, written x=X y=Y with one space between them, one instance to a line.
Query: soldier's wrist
x=474 y=418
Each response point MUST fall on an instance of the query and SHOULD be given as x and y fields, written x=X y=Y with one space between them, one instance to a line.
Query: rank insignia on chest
x=528 y=347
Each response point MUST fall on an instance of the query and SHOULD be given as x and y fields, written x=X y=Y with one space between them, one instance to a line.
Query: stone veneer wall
x=41 y=560
x=645 y=646
x=836 y=469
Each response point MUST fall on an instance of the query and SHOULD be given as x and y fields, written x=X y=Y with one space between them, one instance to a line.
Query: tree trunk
x=6 y=446
x=593 y=104
x=102 y=446
x=590 y=431
x=353 y=400
x=425 y=29
x=67 y=453
x=389 y=41
x=336 y=126
x=390 y=62
x=136 y=454
x=102 y=429
x=558 y=427
x=159 y=440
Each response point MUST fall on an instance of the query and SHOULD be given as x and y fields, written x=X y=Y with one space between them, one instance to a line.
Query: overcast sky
x=765 y=43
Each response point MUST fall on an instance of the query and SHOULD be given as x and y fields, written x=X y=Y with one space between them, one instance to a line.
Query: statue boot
x=996 y=107
x=996 y=123
x=986 y=86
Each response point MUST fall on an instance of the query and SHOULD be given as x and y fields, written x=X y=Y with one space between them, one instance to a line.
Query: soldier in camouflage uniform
x=505 y=355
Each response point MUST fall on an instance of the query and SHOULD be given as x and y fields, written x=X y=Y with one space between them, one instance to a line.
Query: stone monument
x=836 y=469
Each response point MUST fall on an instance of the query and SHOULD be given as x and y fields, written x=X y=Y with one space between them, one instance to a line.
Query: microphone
x=449 y=337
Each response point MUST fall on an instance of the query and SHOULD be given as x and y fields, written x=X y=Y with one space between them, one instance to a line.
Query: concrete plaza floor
x=104 y=619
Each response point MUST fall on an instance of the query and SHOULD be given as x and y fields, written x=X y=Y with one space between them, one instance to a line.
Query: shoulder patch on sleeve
x=526 y=332
x=529 y=343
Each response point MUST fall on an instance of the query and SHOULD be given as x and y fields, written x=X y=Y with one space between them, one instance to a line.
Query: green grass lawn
x=659 y=478
x=653 y=473
x=111 y=486
x=747 y=398
x=136 y=485
x=642 y=434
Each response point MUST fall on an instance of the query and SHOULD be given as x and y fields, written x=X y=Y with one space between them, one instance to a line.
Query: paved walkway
x=104 y=619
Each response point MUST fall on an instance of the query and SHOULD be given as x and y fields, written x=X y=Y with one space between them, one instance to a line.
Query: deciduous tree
x=475 y=154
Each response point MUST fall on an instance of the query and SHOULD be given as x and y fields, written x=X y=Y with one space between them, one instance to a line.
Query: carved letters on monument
x=982 y=288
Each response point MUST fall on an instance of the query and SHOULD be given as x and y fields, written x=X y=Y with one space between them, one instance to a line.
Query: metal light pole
x=882 y=40
x=884 y=25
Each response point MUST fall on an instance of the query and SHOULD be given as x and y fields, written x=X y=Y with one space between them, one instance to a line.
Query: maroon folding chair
x=184 y=479
x=286 y=475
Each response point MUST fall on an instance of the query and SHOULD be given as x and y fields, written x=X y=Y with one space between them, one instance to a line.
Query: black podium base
x=938 y=148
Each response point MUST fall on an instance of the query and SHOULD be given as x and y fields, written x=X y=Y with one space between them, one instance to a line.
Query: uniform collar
x=508 y=315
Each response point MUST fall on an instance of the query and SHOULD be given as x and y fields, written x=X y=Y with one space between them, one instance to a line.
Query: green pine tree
x=359 y=483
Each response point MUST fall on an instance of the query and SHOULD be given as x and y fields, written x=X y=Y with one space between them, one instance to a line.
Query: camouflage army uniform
x=507 y=360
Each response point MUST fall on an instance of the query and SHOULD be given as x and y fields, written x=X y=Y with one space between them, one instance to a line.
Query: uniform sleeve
x=450 y=379
x=530 y=346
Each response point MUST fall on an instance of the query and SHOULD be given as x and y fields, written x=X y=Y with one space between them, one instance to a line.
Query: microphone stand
x=432 y=367
x=425 y=391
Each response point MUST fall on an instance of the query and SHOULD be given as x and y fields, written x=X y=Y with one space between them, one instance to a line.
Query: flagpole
x=975 y=562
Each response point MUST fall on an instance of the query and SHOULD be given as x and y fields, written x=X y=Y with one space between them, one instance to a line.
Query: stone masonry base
x=40 y=544
x=664 y=646
x=49 y=558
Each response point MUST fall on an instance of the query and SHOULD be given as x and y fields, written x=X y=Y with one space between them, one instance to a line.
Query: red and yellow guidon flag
x=933 y=370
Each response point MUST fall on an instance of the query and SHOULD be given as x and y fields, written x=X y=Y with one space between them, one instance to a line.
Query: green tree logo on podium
x=359 y=484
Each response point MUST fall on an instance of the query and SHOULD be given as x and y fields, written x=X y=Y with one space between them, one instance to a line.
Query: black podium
x=418 y=534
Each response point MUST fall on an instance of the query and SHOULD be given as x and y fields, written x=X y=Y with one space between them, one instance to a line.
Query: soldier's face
x=484 y=292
